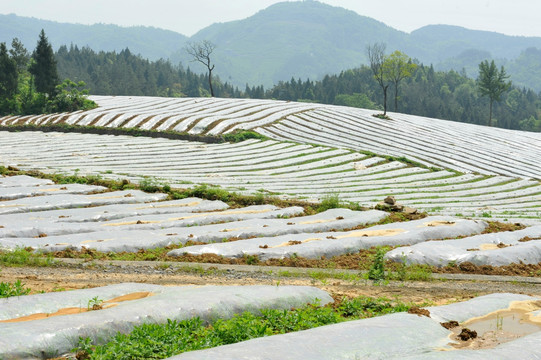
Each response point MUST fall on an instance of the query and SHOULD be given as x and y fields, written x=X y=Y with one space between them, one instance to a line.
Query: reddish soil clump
x=418 y=311
x=450 y=324
x=467 y=334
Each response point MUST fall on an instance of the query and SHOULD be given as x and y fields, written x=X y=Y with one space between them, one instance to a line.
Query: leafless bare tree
x=201 y=52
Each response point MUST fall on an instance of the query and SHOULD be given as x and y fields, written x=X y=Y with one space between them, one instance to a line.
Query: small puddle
x=77 y=310
x=513 y=322
x=499 y=326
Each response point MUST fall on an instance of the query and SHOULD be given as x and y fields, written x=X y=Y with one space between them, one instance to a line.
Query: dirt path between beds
x=79 y=275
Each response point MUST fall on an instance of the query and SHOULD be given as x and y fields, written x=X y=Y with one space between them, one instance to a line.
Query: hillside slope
x=432 y=142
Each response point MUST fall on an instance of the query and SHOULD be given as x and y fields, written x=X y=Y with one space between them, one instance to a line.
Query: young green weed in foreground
x=158 y=341
x=13 y=289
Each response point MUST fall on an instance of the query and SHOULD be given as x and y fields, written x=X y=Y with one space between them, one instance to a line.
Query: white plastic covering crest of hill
x=433 y=142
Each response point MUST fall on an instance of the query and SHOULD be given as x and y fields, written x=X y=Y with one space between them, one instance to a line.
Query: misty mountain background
x=296 y=39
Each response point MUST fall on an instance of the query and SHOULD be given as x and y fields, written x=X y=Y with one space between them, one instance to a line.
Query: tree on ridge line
x=376 y=56
x=201 y=52
x=492 y=83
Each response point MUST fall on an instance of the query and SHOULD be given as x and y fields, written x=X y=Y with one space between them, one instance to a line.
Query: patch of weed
x=24 y=257
x=13 y=289
x=331 y=201
x=158 y=341
x=377 y=269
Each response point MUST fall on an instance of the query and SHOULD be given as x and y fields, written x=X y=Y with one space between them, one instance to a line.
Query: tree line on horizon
x=447 y=95
x=440 y=94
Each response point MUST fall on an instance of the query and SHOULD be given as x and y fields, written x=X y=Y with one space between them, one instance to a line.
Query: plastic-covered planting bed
x=497 y=249
x=180 y=114
x=182 y=120
x=440 y=133
x=12 y=193
x=337 y=131
x=517 y=189
x=22 y=181
x=49 y=232
x=245 y=114
x=66 y=201
x=475 y=155
x=358 y=133
x=328 y=244
x=505 y=149
x=290 y=170
x=245 y=163
x=49 y=325
x=230 y=125
x=117 y=239
x=405 y=336
x=78 y=220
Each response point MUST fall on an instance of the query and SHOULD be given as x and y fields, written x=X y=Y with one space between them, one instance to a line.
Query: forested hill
x=310 y=39
x=304 y=39
x=445 y=95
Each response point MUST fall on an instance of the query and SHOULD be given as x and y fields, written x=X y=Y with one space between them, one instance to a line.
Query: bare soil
x=82 y=274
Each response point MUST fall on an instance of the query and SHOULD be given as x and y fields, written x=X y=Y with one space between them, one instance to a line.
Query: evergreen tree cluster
x=124 y=73
x=29 y=84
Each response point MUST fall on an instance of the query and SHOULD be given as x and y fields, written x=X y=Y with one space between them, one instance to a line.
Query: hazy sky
x=512 y=17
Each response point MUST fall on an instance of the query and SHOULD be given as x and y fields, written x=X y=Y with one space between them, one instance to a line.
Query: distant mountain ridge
x=305 y=39
x=151 y=43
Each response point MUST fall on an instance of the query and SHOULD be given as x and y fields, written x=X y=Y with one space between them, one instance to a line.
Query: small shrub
x=377 y=269
x=329 y=202
x=149 y=184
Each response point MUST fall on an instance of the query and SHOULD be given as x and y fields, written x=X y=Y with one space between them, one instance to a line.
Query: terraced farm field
x=462 y=175
x=318 y=150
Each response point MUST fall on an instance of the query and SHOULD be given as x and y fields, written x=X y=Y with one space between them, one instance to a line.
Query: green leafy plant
x=13 y=289
x=149 y=184
x=331 y=201
x=377 y=269
x=157 y=341
x=95 y=303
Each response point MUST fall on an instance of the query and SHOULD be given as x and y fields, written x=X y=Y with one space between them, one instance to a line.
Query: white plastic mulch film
x=493 y=183
x=497 y=249
x=316 y=245
x=49 y=325
x=395 y=336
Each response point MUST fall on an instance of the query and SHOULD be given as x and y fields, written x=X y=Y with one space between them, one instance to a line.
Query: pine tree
x=19 y=53
x=8 y=74
x=43 y=67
